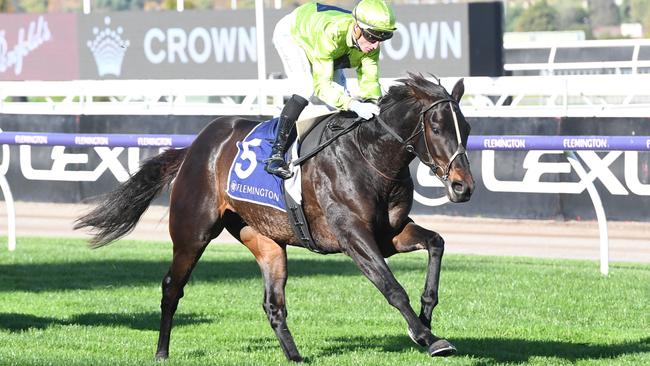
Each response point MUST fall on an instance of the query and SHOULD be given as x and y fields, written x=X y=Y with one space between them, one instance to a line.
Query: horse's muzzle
x=460 y=190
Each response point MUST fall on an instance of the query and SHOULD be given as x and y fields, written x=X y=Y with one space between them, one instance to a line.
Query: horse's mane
x=414 y=89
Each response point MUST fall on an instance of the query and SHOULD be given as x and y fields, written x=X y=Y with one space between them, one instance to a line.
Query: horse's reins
x=420 y=129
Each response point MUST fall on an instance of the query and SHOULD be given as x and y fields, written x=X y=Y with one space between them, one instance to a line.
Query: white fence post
x=598 y=206
x=9 y=199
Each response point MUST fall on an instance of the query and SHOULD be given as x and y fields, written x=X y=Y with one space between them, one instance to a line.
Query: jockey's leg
x=294 y=60
x=298 y=70
x=275 y=164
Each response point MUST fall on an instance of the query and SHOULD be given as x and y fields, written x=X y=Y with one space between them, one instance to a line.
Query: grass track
x=63 y=304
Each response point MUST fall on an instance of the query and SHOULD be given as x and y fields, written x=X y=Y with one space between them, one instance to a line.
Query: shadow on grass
x=519 y=350
x=14 y=322
x=494 y=350
x=486 y=351
x=38 y=277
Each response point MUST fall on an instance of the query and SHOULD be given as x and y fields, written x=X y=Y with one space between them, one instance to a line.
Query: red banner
x=38 y=47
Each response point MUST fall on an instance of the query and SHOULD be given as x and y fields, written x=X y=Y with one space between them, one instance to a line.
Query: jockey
x=315 y=42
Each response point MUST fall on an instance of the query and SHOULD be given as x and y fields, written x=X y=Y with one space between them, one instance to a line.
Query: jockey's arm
x=368 y=76
x=324 y=86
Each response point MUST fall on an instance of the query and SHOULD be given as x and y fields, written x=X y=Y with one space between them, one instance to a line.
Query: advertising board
x=38 y=47
x=430 y=38
x=535 y=184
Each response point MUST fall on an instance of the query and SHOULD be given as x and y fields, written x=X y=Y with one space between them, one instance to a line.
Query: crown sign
x=108 y=49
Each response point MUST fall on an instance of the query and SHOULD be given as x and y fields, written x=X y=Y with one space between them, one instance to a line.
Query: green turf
x=64 y=304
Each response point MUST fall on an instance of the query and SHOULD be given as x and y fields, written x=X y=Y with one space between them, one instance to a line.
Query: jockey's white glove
x=364 y=110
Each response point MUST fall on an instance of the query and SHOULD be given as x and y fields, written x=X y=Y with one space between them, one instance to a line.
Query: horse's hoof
x=162 y=356
x=441 y=348
x=296 y=358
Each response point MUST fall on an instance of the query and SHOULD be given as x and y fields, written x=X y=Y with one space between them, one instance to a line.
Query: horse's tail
x=121 y=209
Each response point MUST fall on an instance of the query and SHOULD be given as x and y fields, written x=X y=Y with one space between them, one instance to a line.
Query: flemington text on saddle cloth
x=247 y=179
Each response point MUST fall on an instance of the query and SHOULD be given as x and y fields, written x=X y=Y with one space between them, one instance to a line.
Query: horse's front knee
x=429 y=298
x=435 y=244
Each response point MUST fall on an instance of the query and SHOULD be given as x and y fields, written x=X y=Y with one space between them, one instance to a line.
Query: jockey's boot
x=275 y=164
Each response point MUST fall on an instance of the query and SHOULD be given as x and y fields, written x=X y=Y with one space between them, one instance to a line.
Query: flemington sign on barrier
x=568 y=144
x=496 y=143
x=92 y=140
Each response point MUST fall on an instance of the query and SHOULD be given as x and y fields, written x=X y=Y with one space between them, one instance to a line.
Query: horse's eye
x=436 y=130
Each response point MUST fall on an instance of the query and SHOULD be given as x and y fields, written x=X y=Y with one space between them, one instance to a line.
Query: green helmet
x=374 y=15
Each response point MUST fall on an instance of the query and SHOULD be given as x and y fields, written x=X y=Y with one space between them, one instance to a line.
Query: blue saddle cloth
x=247 y=179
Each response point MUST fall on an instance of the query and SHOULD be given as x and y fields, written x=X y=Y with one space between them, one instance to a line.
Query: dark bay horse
x=357 y=194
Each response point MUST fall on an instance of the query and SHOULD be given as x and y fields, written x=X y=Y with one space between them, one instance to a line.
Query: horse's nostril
x=458 y=187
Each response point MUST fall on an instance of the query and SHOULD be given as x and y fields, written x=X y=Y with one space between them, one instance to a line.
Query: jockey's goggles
x=373 y=35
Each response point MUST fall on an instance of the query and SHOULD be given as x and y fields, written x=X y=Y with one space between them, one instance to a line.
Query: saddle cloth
x=247 y=179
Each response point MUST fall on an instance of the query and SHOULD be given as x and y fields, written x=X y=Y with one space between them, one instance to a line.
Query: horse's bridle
x=420 y=129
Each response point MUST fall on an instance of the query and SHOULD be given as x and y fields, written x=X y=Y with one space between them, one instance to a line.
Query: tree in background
x=513 y=12
x=540 y=16
x=6 y=6
x=597 y=18
x=603 y=13
x=188 y=4
x=573 y=16
x=118 y=5
x=637 y=11
x=32 y=6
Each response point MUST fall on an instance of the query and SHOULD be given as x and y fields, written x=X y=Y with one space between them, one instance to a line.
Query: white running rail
x=514 y=96
x=554 y=65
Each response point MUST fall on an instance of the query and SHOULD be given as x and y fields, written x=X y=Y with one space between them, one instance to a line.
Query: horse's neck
x=382 y=149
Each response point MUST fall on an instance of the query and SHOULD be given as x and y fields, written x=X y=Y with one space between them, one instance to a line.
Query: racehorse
x=357 y=194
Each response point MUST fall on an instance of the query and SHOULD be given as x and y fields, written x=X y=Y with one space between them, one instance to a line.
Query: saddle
x=309 y=117
x=311 y=133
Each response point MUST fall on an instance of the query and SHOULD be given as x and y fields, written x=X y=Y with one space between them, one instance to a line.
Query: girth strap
x=299 y=223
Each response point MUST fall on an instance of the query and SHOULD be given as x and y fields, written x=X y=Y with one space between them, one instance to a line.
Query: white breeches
x=295 y=62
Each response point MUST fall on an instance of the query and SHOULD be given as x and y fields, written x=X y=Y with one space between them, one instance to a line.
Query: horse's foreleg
x=414 y=237
x=272 y=259
x=362 y=248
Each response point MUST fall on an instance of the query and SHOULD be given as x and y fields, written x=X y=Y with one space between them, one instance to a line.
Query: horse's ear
x=459 y=90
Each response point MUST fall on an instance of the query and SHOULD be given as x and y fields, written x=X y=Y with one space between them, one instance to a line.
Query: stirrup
x=281 y=169
x=274 y=157
x=279 y=172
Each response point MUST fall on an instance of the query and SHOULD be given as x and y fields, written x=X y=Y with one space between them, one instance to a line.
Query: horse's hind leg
x=414 y=237
x=190 y=233
x=272 y=259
